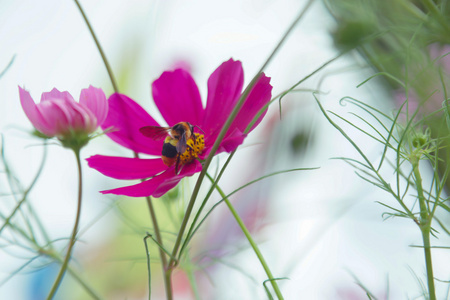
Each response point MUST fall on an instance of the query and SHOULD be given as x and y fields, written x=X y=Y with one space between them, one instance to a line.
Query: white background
x=322 y=225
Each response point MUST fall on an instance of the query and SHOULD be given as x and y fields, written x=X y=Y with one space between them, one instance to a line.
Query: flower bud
x=59 y=115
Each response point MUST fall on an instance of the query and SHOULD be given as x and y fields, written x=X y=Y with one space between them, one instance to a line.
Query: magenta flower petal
x=56 y=94
x=125 y=118
x=158 y=185
x=231 y=141
x=177 y=97
x=126 y=168
x=228 y=144
x=224 y=89
x=258 y=97
x=33 y=113
x=95 y=100
x=187 y=170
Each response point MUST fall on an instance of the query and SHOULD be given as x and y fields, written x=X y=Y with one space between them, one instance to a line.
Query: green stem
x=425 y=227
x=74 y=274
x=148 y=268
x=221 y=135
x=167 y=280
x=282 y=94
x=28 y=190
x=50 y=253
x=191 y=230
x=434 y=10
x=414 y=10
x=74 y=231
x=252 y=242
x=428 y=262
x=99 y=47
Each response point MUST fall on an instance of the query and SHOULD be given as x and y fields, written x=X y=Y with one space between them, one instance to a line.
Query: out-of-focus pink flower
x=59 y=115
x=442 y=53
x=400 y=98
x=177 y=97
x=426 y=94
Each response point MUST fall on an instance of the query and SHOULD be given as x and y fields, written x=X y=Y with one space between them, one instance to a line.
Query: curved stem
x=167 y=280
x=191 y=230
x=251 y=241
x=221 y=135
x=28 y=190
x=434 y=10
x=99 y=47
x=74 y=231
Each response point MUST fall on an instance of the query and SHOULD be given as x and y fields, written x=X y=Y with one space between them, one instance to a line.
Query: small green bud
x=420 y=141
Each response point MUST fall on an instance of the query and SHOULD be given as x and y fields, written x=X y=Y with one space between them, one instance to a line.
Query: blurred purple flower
x=442 y=53
x=400 y=98
x=177 y=97
x=426 y=94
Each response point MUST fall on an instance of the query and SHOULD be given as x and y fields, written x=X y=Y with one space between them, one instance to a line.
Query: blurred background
x=321 y=229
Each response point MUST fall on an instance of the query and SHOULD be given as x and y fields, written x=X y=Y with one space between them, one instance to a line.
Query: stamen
x=193 y=149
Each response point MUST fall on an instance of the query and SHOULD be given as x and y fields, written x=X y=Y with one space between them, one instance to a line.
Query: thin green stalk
x=167 y=281
x=422 y=200
x=220 y=137
x=172 y=262
x=282 y=94
x=425 y=227
x=99 y=47
x=148 y=267
x=72 y=272
x=28 y=190
x=191 y=231
x=434 y=10
x=252 y=243
x=50 y=253
x=414 y=10
x=74 y=231
x=428 y=262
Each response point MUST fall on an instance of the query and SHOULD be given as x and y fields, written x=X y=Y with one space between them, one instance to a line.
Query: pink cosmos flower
x=177 y=97
x=59 y=115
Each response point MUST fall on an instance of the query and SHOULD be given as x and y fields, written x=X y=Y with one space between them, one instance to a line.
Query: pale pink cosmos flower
x=178 y=99
x=59 y=115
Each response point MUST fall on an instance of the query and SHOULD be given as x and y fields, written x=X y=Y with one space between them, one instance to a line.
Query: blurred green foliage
x=407 y=42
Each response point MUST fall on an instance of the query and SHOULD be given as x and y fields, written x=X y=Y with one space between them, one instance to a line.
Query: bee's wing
x=154 y=132
x=181 y=146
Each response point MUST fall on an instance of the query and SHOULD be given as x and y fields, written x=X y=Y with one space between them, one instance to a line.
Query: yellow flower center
x=195 y=146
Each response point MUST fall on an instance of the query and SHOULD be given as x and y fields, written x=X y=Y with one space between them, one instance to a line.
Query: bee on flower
x=179 y=156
